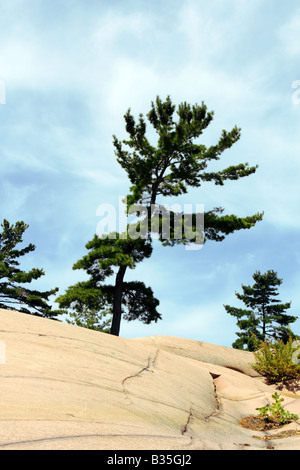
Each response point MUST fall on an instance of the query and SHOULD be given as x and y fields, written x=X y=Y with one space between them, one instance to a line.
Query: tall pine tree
x=164 y=169
x=264 y=316
x=178 y=161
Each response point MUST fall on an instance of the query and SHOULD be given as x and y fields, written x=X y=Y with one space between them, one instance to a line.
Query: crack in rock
x=185 y=427
x=148 y=367
x=217 y=398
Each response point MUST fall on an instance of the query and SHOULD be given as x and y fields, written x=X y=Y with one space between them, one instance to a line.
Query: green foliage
x=139 y=303
x=95 y=297
x=177 y=161
x=113 y=251
x=91 y=319
x=83 y=301
x=264 y=317
x=276 y=413
x=14 y=294
x=217 y=227
x=276 y=361
x=166 y=168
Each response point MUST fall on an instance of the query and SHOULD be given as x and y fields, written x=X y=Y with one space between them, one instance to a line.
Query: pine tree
x=178 y=161
x=164 y=169
x=132 y=299
x=264 y=316
x=91 y=318
x=14 y=294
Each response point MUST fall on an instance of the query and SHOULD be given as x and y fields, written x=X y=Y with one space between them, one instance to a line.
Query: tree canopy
x=264 y=316
x=176 y=161
x=133 y=299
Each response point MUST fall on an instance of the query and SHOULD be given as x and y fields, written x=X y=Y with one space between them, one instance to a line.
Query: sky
x=69 y=71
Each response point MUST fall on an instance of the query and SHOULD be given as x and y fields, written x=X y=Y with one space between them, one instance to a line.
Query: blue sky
x=71 y=70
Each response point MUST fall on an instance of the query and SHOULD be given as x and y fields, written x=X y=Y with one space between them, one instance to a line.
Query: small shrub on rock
x=276 y=361
x=270 y=416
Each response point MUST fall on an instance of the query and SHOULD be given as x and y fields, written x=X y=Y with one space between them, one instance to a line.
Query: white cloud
x=213 y=30
x=289 y=34
x=17 y=201
x=114 y=27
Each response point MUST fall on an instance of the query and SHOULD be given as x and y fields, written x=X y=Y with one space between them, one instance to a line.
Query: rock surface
x=65 y=387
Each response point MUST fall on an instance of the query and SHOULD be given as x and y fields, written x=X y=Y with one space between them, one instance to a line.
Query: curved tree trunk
x=117 y=304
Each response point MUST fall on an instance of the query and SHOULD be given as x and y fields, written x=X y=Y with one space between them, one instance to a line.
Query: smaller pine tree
x=264 y=317
x=95 y=297
x=14 y=293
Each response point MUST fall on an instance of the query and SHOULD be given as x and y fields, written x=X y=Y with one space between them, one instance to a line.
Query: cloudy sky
x=72 y=68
